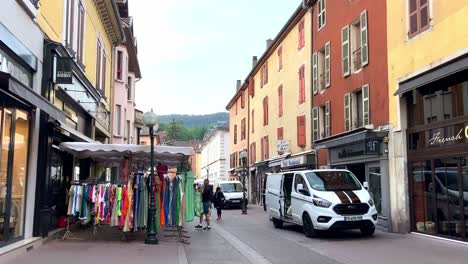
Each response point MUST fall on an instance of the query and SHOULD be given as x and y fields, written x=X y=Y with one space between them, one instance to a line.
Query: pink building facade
x=126 y=74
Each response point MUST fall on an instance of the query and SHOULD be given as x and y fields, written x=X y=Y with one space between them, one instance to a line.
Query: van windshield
x=332 y=181
x=231 y=187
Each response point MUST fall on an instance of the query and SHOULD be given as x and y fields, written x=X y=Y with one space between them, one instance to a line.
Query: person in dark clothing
x=218 y=202
x=207 y=200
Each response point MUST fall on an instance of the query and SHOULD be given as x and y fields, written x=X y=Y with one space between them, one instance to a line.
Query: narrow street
x=253 y=239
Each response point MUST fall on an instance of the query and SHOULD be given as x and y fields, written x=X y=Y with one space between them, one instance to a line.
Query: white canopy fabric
x=114 y=151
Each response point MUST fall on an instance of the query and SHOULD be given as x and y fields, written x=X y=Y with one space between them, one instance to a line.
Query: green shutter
x=315 y=124
x=327 y=64
x=365 y=105
x=327 y=119
x=364 y=40
x=347 y=108
x=345 y=50
x=315 y=73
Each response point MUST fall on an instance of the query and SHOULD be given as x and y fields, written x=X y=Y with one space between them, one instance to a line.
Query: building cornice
x=110 y=18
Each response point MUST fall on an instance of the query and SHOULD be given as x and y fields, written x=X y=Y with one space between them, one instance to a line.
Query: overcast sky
x=191 y=52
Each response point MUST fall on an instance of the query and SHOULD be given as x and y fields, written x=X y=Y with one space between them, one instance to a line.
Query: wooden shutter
x=315 y=74
x=364 y=40
x=301 y=137
x=242 y=100
x=262 y=149
x=347 y=109
x=253 y=121
x=262 y=73
x=365 y=105
x=280 y=134
x=280 y=101
x=301 y=43
x=265 y=111
x=98 y=65
x=266 y=72
x=327 y=119
x=315 y=124
x=104 y=72
x=327 y=64
x=301 y=84
x=235 y=134
x=280 y=58
x=345 y=51
x=267 y=148
x=251 y=87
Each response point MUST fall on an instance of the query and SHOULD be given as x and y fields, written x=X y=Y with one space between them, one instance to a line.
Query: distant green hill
x=191 y=121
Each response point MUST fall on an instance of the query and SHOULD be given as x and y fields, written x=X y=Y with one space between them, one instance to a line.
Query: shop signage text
x=291 y=162
x=14 y=69
x=282 y=146
x=368 y=147
x=63 y=70
x=438 y=139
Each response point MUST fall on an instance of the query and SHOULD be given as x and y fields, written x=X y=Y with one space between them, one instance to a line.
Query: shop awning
x=75 y=134
x=436 y=74
x=103 y=151
x=24 y=93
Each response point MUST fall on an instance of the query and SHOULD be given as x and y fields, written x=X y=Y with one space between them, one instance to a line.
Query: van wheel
x=277 y=223
x=368 y=231
x=308 y=226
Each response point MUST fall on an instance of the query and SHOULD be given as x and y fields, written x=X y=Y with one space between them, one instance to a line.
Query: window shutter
x=301 y=85
x=280 y=133
x=314 y=73
x=267 y=148
x=327 y=64
x=327 y=119
x=365 y=104
x=315 y=124
x=266 y=72
x=280 y=101
x=347 y=108
x=262 y=149
x=424 y=14
x=413 y=16
x=104 y=72
x=251 y=87
x=253 y=121
x=345 y=50
x=98 y=66
x=364 y=40
x=280 y=58
x=242 y=99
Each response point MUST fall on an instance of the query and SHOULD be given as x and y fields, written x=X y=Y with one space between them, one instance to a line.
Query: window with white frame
x=321 y=68
x=129 y=88
x=321 y=14
x=321 y=121
x=119 y=71
x=355 y=45
x=75 y=16
x=357 y=108
x=101 y=67
x=117 y=121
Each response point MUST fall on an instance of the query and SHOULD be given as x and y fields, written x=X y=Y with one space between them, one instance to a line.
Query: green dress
x=189 y=197
x=198 y=205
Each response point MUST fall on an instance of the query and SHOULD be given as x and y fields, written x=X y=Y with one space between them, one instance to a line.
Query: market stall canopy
x=112 y=151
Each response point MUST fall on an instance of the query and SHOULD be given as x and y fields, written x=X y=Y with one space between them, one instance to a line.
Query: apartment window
x=301 y=34
x=128 y=131
x=253 y=121
x=70 y=23
x=265 y=111
x=251 y=87
x=101 y=65
x=357 y=108
x=280 y=58
x=129 y=88
x=264 y=74
x=418 y=16
x=355 y=45
x=118 y=117
x=236 y=107
x=280 y=136
x=321 y=69
x=280 y=101
x=321 y=121
x=321 y=11
x=301 y=131
x=81 y=25
x=265 y=148
x=302 y=84
x=242 y=100
x=243 y=127
x=235 y=134
x=253 y=153
x=119 y=65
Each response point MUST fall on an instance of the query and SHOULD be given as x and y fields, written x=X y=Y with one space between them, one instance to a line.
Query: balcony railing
x=357 y=59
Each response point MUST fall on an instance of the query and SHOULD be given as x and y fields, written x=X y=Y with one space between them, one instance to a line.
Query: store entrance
x=359 y=170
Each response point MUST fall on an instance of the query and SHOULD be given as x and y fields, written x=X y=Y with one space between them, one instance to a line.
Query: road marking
x=249 y=253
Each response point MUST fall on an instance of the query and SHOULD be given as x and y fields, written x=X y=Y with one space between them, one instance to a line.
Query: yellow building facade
x=427 y=59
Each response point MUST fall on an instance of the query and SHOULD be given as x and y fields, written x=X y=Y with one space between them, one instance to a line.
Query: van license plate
x=235 y=201
x=353 y=218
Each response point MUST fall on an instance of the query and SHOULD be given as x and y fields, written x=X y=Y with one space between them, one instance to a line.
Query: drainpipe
x=312 y=145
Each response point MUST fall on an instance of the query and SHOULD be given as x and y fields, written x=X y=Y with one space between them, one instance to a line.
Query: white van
x=320 y=200
x=233 y=194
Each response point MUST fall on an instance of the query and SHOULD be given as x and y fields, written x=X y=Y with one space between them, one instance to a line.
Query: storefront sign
x=282 y=145
x=292 y=162
x=63 y=70
x=8 y=65
x=367 y=147
x=438 y=139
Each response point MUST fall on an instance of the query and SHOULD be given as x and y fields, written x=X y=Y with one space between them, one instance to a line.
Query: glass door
x=374 y=178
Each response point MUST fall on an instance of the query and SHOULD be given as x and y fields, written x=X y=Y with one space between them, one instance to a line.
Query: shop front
x=437 y=150
x=364 y=153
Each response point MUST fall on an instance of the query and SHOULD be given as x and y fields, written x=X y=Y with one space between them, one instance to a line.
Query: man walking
x=207 y=200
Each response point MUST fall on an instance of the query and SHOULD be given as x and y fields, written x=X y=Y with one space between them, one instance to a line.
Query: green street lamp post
x=243 y=155
x=151 y=121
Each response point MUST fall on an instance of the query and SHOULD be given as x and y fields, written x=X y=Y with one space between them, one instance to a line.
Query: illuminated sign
x=438 y=139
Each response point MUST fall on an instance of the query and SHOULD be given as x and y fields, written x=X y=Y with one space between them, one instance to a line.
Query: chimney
x=238 y=85
x=254 y=61
x=268 y=43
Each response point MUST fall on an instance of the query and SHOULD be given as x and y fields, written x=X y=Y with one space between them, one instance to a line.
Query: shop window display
x=422 y=197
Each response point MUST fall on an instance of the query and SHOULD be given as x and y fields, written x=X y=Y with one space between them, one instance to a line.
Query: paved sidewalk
x=290 y=245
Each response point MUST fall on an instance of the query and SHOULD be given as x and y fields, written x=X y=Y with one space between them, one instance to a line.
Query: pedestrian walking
x=207 y=200
x=219 y=202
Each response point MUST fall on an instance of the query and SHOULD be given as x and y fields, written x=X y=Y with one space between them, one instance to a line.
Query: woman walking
x=219 y=201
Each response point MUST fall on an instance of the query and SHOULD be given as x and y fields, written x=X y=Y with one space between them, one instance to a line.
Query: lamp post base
x=151 y=241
